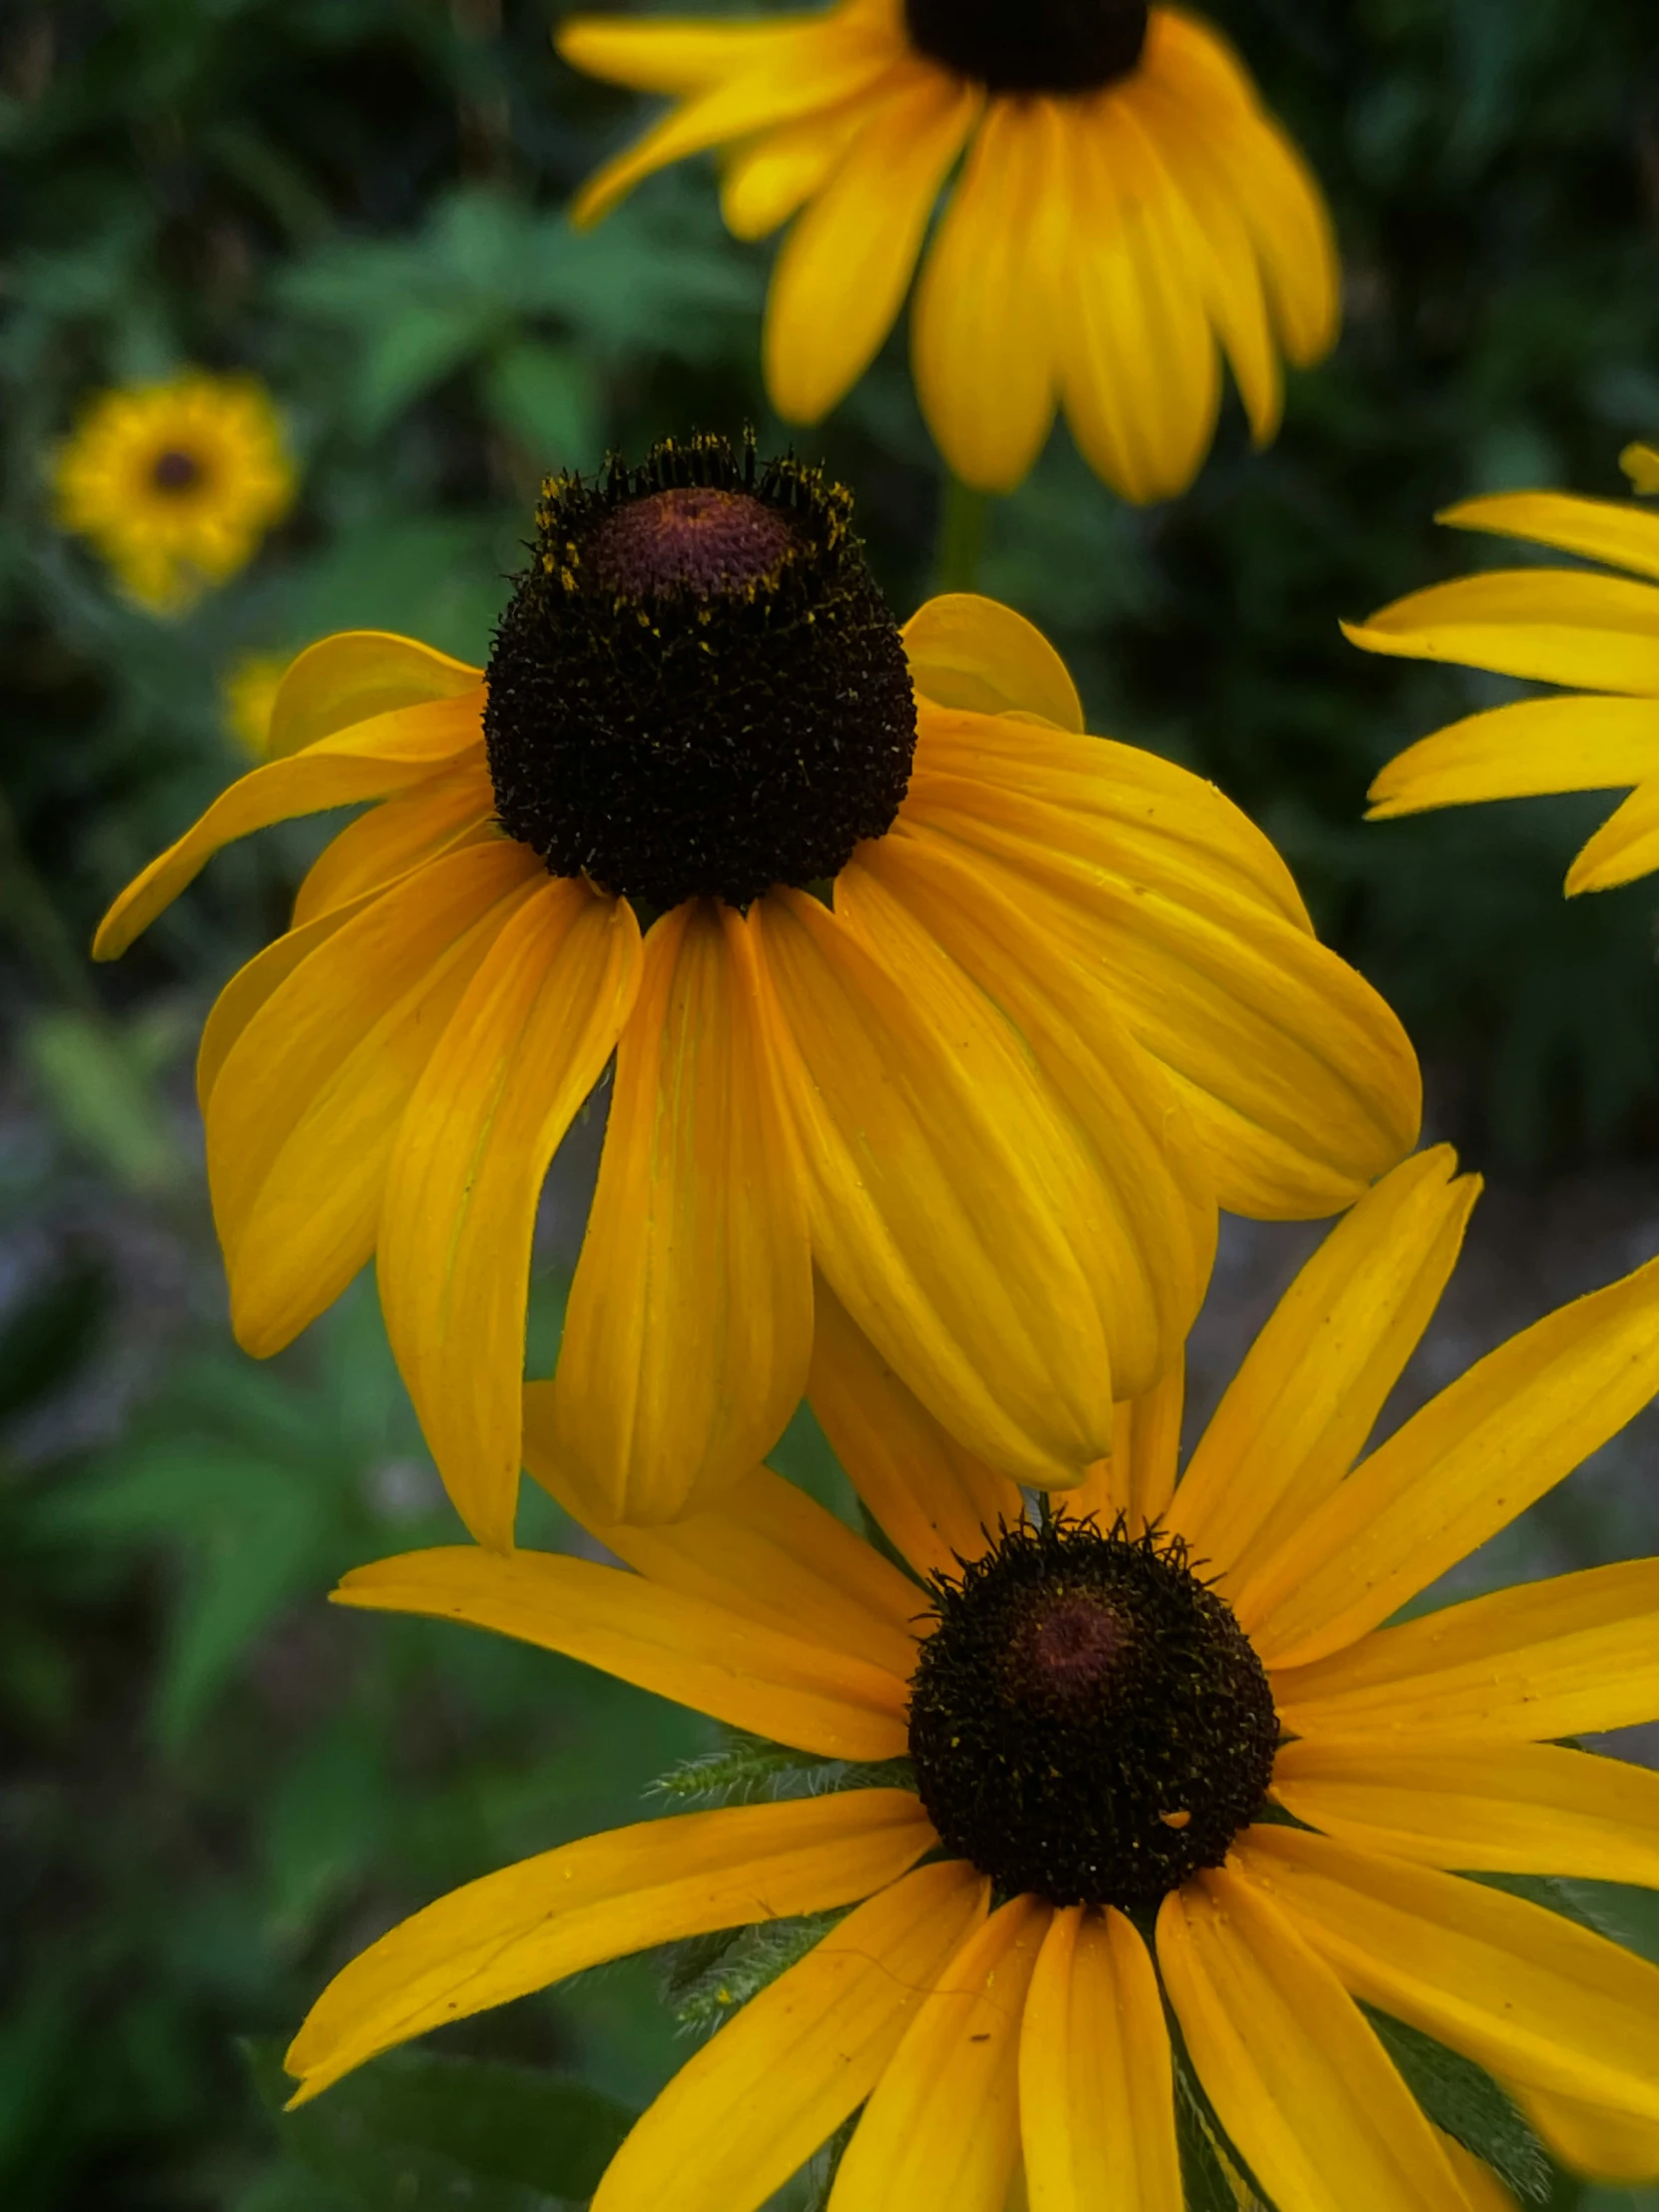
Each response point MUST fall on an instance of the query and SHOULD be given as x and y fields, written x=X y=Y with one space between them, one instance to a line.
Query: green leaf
x=1211 y=2173
x=418 y=2130
x=414 y=350
x=545 y=397
x=102 y=1097
x=750 y=1961
x=747 y=1769
x=1464 y=2100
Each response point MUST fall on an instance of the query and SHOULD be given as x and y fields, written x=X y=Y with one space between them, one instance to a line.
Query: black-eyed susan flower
x=175 y=483
x=1165 y=1746
x=977 y=1013
x=1563 y=625
x=1124 y=211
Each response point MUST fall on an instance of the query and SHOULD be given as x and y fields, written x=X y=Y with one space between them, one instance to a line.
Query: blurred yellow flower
x=248 y=692
x=175 y=483
x=1124 y=203
x=1557 y=626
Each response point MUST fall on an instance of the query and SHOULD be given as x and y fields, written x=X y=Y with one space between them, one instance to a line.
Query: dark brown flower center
x=175 y=470
x=1088 y=1721
x=692 y=539
x=1014 y=46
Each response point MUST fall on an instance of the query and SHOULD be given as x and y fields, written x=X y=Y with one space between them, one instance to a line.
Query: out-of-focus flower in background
x=174 y=484
x=1124 y=203
x=248 y=692
x=1557 y=626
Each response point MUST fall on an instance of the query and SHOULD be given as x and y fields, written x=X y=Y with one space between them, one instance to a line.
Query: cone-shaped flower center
x=1088 y=1721
x=175 y=470
x=1062 y=45
x=698 y=687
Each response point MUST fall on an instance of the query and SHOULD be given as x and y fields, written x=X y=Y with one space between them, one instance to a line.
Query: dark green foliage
x=1462 y=2099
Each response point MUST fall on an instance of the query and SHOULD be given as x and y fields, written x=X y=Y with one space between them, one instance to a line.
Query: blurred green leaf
x=414 y=2129
x=545 y=397
x=101 y=1093
x=51 y=1332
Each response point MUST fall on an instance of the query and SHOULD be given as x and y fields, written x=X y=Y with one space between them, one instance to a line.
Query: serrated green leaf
x=413 y=2129
x=1464 y=2100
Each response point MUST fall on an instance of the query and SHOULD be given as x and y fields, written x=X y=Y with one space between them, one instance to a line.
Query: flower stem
x=964 y=516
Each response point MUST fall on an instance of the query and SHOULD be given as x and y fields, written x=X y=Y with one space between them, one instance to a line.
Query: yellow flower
x=1178 y=1741
x=249 y=693
x=1557 y=626
x=175 y=483
x=1126 y=211
x=1065 y=998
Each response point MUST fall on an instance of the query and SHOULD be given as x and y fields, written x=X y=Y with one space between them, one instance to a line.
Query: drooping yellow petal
x=754 y=2104
x=1139 y=367
x=690 y=1322
x=305 y=1107
x=391 y=838
x=368 y=760
x=940 y=2132
x=1456 y=1473
x=1590 y=2138
x=982 y=327
x=974 y=654
x=1297 y=2076
x=819 y=62
x=1096 y=2086
x=928 y=1495
x=666 y=53
x=1296 y=1414
x=841 y=276
x=1536 y=746
x=522 y=1050
x=1610 y=530
x=1480 y=2186
x=1625 y=846
x=1474 y=1807
x=946 y=1184
x=1556 y=625
x=1526 y=1992
x=1299 y=1079
x=358 y=676
x=549 y=1917
x=1147 y=1239
x=253 y=984
x=697 y=1652
x=764 y=180
x=1565 y=1657
x=766 y=1551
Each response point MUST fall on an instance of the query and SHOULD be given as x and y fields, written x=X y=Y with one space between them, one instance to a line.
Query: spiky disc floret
x=1053 y=46
x=698 y=687
x=1088 y=1721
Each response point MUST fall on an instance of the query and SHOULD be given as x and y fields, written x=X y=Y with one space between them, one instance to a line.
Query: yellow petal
x=305 y=1108
x=355 y=677
x=1456 y=1473
x=1096 y=2086
x=1146 y=1239
x=929 y=1495
x=253 y=984
x=388 y=842
x=1519 y=751
x=549 y=1917
x=1297 y=2078
x=1641 y=464
x=982 y=327
x=1565 y=1657
x=690 y=1321
x=764 y=182
x=1474 y=1807
x=1481 y=2187
x=1140 y=374
x=775 y=2082
x=1608 y=530
x=766 y=1551
x=1138 y=1480
x=940 y=2132
x=686 y=1648
x=370 y=761
x=674 y=54
x=841 y=276
x=1526 y=1992
x=523 y=1049
x=1590 y=2138
x=1299 y=1079
x=820 y=61
x=1557 y=625
x=1625 y=846
x=1296 y=1414
x=975 y=653
x=945 y=1186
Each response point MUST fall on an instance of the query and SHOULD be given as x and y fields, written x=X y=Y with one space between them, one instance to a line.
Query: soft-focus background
x=214 y=1789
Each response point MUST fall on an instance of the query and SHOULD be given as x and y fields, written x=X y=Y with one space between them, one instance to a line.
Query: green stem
x=964 y=515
